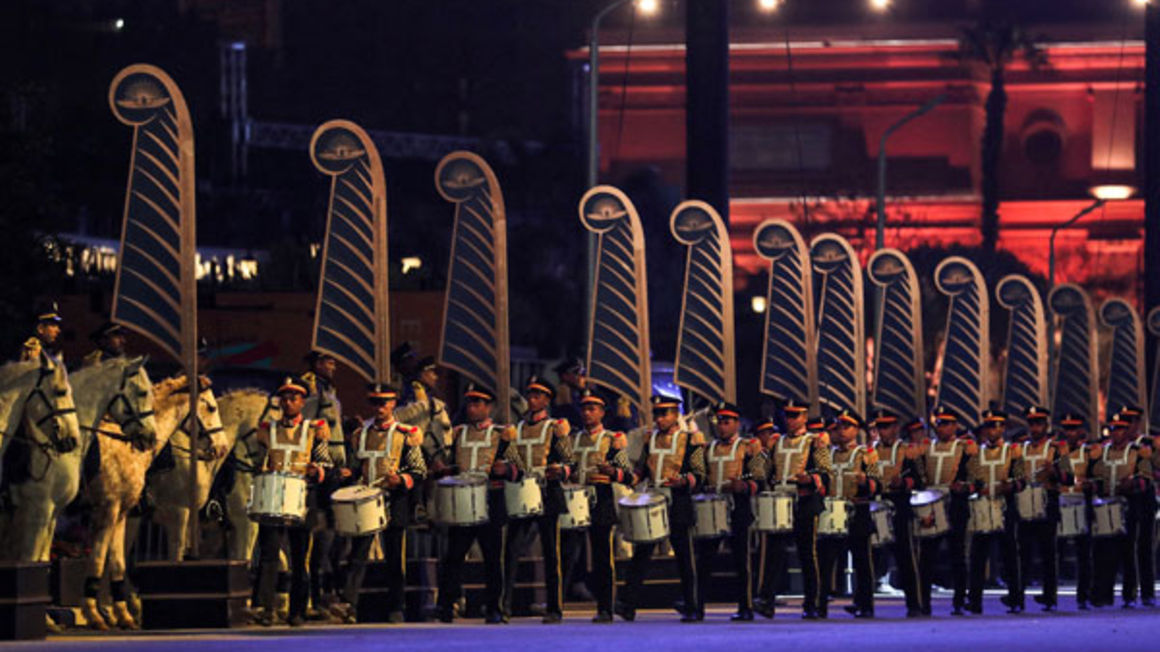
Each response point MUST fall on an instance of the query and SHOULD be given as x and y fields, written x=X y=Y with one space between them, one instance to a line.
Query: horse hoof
x=93 y=617
x=124 y=618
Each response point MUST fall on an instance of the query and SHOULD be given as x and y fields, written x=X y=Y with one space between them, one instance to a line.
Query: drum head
x=925 y=497
x=644 y=499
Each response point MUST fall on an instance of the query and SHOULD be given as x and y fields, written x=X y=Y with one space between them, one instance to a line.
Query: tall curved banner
x=840 y=339
x=1127 y=382
x=351 y=318
x=964 y=384
x=789 y=366
x=899 y=369
x=475 y=340
x=1025 y=375
x=156 y=286
x=1154 y=404
x=1075 y=374
x=618 y=337
x=705 y=361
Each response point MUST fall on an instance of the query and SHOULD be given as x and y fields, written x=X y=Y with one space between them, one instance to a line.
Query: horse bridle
x=250 y=464
x=134 y=415
x=207 y=433
x=62 y=445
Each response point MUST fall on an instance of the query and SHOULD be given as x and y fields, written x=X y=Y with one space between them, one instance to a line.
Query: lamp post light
x=1055 y=230
x=880 y=233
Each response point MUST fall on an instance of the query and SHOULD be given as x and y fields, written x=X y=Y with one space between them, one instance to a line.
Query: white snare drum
x=523 y=499
x=278 y=498
x=1108 y=517
x=461 y=499
x=1073 y=520
x=774 y=512
x=835 y=520
x=882 y=518
x=930 y=513
x=1032 y=503
x=578 y=501
x=710 y=516
x=359 y=510
x=644 y=517
x=986 y=515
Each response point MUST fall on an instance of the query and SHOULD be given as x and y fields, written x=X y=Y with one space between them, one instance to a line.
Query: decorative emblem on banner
x=899 y=381
x=1025 y=376
x=705 y=360
x=964 y=383
x=788 y=362
x=840 y=338
x=1126 y=380
x=1075 y=374
x=475 y=310
x=351 y=319
x=618 y=343
x=156 y=286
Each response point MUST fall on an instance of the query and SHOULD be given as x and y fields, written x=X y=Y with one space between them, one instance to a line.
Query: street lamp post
x=880 y=235
x=1051 y=242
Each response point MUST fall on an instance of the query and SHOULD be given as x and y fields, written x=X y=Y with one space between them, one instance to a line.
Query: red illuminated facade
x=806 y=122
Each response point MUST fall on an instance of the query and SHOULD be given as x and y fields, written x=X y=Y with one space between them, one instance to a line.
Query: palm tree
x=992 y=45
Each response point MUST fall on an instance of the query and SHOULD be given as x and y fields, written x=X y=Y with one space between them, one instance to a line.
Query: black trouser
x=1084 y=591
x=603 y=574
x=1144 y=509
x=1041 y=536
x=491 y=543
x=774 y=549
x=858 y=543
x=321 y=570
x=739 y=554
x=572 y=560
x=805 y=532
x=270 y=541
x=520 y=535
x=1009 y=547
x=956 y=549
x=1115 y=555
x=904 y=551
x=681 y=538
x=394 y=541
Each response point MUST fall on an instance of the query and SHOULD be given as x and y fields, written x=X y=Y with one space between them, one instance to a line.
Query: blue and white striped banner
x=788 y=361
x=1025 y=375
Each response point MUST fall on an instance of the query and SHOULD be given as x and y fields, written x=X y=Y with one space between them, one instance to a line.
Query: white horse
x=241 y=412
x=41 y=421
x=114 y=491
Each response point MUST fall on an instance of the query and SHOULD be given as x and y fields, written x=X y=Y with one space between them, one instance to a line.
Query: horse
x=114 y=491
x=241 y=412
x=42 y=454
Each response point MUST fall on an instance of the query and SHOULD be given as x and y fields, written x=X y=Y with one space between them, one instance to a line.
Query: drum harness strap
x=787 y=456
x=841 y=469
x=1035 y=460
x=939 y=458
x=721 y=461
x=303 y=446
x=528 y=446
x=1114 y=465
x=476 y=446
x=582 y=452
x=373 y=455
x=993 y=466
x=661 y=454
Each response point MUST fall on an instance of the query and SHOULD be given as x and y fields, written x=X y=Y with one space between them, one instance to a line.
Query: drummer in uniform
x=479 y=446
x=1076 y=472
x=771 y=567
x=950 y=461
x=1124 y=470
x=296 y=446
x=902 y=469
x=1044 y=464
x=800 y=466
x=601 y=462
x=389 y=457
x=545 y=446
x=734 y=468
x=1000 y=475
x=672 y=461
x=1143 y=509
x=857 y=479
x=429 y=414
x=110 y=341
x=46 y=337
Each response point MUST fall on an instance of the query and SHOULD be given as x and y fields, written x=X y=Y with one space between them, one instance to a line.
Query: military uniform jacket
x=1076 y=468
x=293 y=444
x=950 y=462
x=667 y=456
x=737 y=459
x=543 y=442
x=1043 y=464
x=1123 y=471
x=809 y=453
x=847 y=462
x=999 y=462
x=476 y=448
x=904 y=461
x=386 y=448
x=592 y=448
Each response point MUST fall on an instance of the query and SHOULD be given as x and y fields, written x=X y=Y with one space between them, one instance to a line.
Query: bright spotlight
x=757 y=303
x=768 y=5
x=879 y=5
x=648 y=7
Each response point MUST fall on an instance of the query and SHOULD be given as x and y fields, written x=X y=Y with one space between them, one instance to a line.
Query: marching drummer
x=902 y=469
x=673 y=461
x=856 y=479
x=390 y=458
x=800 y=466
x=298 y=447
x=949 y=469
x=1143 y=509
x=1000 y=475
x=601 y=461
x=110 y=340
x=484 y=447
x=46 y=334
x=1043 y=464
x=735 y=468
x=1076 y=471
x=772 y=565
x=545 y=445
x=1124 y=470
